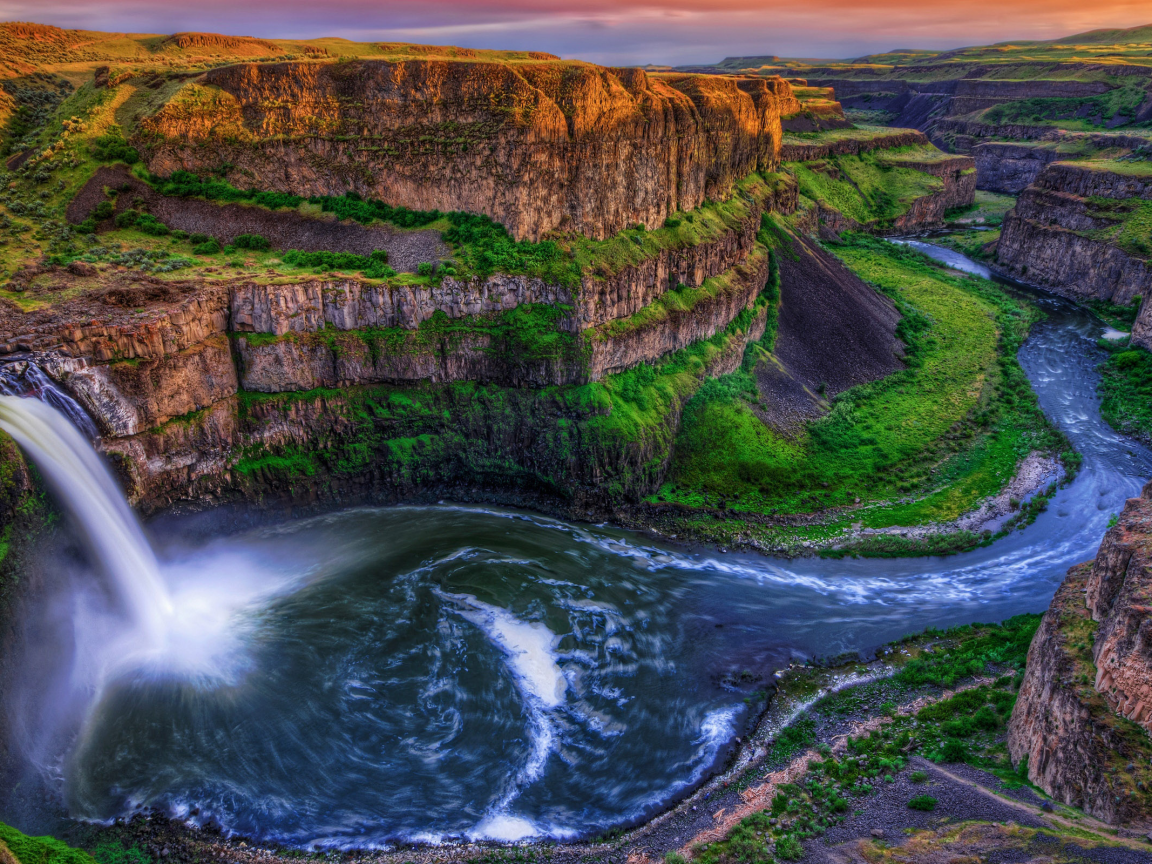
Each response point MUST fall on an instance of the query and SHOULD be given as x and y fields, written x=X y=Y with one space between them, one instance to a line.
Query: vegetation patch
x=968 y=726
x=41 y=850
x=923 y=445
x=1131 y=224
x=1126 y=390
x=1119 y=105
x=873 y=188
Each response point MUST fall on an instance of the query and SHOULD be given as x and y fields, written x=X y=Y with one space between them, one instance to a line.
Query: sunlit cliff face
x=606 y=31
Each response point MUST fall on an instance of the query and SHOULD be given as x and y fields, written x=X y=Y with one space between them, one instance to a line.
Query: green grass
x=1122 y=102
x=706 y=223
x=1131 y=168
x=41 y=850
x=988 y=208
x=1131 y=228
x=873 y=188
x=1126 y=392
x=978 y=245
x=830 y=136
x=925 y=444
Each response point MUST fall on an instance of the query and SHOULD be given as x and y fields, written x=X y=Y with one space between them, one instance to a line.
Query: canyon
x=282 y=283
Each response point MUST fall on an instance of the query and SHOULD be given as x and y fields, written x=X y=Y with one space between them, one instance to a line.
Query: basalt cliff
x=539 y=147
x=1078 y=230
x=1084 y=713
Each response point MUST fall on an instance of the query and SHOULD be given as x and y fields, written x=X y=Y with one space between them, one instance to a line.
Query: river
x=429 y=673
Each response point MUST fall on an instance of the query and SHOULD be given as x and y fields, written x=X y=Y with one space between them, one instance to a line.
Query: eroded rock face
x=129 y=396
x=1044 y=240
x=350 y=304
x=536 y=146
x=538 y=441
x=1119 y=598
x=1082 y=717
x=1009 y=168
x=617 y=346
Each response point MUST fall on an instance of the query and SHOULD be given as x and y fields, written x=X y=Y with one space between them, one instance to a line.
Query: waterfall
x=25 y=378
x=90 y=494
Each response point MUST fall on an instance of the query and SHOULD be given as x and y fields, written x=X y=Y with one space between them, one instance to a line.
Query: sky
x=611 y=31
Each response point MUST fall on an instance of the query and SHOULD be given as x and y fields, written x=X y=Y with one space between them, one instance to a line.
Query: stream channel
x=432 y=673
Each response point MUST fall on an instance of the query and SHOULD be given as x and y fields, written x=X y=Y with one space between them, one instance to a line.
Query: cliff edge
x=538 y=146
x=1084 y=713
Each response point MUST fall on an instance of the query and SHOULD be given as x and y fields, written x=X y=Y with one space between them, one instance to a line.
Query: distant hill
x=1106 y=37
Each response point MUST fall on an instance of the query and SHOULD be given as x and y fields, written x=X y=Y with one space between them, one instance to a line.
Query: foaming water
x=430 y=673
x=87 y=490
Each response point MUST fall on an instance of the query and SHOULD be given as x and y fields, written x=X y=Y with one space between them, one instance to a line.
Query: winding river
x=429 y=673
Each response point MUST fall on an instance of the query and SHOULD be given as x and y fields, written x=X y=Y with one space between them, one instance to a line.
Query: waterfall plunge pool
x=431 y=673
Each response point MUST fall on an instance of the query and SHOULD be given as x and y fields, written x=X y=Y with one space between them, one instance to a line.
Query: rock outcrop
x=1119 y=599
x=1059 y=235
x=537 y=146
x=852 y=145
x=387 y=443
x=1010 y=168
x=1084 y=712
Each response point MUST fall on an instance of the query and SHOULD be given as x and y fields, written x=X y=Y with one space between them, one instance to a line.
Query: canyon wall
x=1064 y=234
x=189 y=380
x=1084 y=713
x=1010 y=168
x=540 y=147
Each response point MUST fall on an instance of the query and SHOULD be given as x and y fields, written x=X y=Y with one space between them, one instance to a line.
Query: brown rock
x=1086 y=690
x=81 y=268
x=536 y=146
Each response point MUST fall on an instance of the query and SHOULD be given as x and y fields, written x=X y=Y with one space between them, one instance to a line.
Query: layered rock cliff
x=537 y=146
x=1010 y=168
x=1084 y=713
x=1067 y=234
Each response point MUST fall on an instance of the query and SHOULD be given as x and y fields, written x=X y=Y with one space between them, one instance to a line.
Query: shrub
x=251 y=241
x=149 y=224
x=127 y=219
x=675 y=858
x=104 y=210
x=424 y=268
x=672 y=223
x=198 y=238
x=953 y=751
x=208 y=247
x=789 y=848
x=374 y=266
x=113 y=148
x=918 y=776
x=922 y=802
